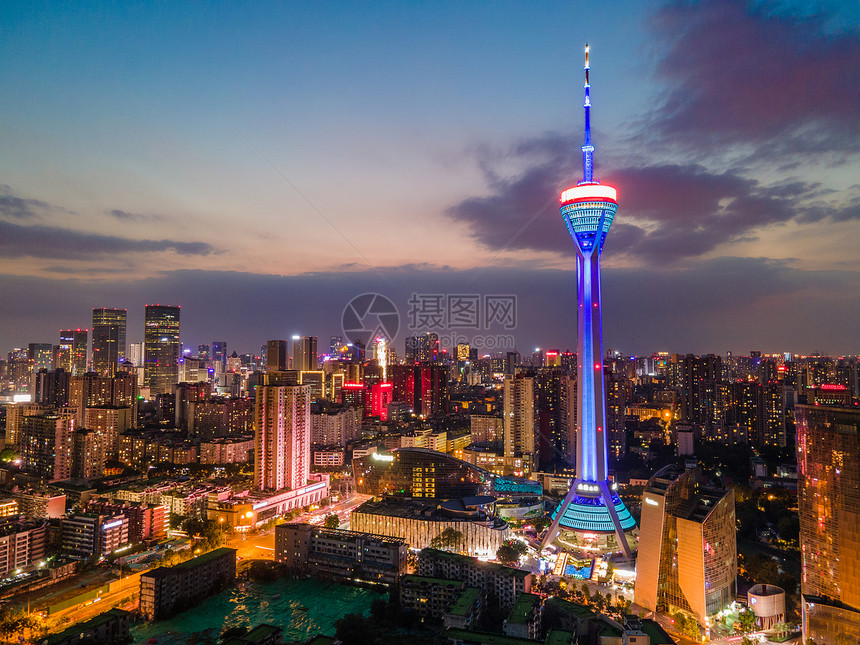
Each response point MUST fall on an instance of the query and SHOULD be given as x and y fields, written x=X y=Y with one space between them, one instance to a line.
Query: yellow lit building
x=687 y=547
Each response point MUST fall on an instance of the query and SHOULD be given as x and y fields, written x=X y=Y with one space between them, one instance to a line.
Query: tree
x=448 y=540
x=511 y=551
x=747 y=620
x=332 y=521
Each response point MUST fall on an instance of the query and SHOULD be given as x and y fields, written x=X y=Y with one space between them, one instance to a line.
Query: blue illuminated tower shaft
x=591 y=413
x=591 y=510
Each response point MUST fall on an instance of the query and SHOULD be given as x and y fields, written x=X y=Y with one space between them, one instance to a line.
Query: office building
x=591 y=514
x=166 y=590
x=282 y=436
x=336 y=553
x=219 y=353
x=828 y=492
x=109 y=327
x=687 y=547
x=276 y=356
x=51 y=388
x=40 y=356
x=161 y=348
x=305 y=353
x=72 y=351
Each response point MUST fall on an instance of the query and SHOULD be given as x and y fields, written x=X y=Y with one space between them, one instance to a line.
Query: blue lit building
x=592 y=517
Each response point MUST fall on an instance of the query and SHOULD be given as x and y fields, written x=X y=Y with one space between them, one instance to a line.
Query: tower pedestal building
x=592 y=517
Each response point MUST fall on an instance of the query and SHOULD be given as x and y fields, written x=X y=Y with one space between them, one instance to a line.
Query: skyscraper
x=282 y=435
x=591 y=512
x=73 y=351
x=161 y=348
x=828 y=494
x=305 y=353
x=40 y=356
x=520 y=417
x=276 y=355
x=108 y=340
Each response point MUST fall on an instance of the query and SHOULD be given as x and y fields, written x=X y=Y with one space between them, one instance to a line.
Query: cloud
x=707 y=306
x=756 y=76
x=14 y=207
x=125 y=216
x=668 y=211
x=18 y=241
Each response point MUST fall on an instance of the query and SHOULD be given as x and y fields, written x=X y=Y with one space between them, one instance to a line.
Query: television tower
x=591 y=517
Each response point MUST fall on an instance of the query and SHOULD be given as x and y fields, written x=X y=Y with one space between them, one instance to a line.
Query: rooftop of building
x=440 y=582
x=558 y=637
x=430 y=512
x=467 y=559
x=464 y=602
x=206 y=557
x=13 y=524
x=655 y=632
x=483 y=638
x=580 y=611
x=79 y=628
x=343 y=534
x=523 y=609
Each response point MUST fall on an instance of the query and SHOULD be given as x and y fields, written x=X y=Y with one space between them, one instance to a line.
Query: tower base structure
x=592 y=520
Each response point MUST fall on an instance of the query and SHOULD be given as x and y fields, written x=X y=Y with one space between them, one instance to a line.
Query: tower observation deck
x=591 y=518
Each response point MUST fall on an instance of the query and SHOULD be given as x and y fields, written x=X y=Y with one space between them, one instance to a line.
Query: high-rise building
x=591 y=512
x=161 y=348
x=276 y=356
x=203 y=352
x=219 y=352
x=520 y=416
x=282 y=435
x=40 y=356
x=687 y=547
x=828 y=492
x=72 y=354
x=108 y=340
x=46 y=445
x=135 y=354
x=305 y=353
x=51 y=388
x=335 y=343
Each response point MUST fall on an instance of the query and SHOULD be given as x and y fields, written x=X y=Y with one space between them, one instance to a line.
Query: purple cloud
x=18 y=241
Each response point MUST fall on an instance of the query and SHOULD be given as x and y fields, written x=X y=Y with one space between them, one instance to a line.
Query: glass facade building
x=161 y=348
x=109 y=326
x=687 y=546
x=828 y=491
x=419 y=473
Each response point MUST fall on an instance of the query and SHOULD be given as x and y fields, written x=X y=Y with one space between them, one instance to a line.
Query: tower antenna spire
x=587 y=148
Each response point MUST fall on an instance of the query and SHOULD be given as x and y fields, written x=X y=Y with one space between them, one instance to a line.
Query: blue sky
x=402 y=144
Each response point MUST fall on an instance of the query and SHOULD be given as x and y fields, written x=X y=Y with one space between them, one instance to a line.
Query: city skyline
x=411 y=149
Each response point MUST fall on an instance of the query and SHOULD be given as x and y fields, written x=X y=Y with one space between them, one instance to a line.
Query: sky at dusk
x=263 y=163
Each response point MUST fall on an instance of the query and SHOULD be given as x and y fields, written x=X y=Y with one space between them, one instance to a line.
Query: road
x=258 y=546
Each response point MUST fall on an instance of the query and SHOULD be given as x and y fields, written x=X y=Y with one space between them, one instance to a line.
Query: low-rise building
x=524 y=620
x=337 y=553
x=145 y=521
x=465 y=611
x=109 y=627
x=428 y=597
x=166 y=590
x=22 y=543
x=505 y=583
x=419 y=523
